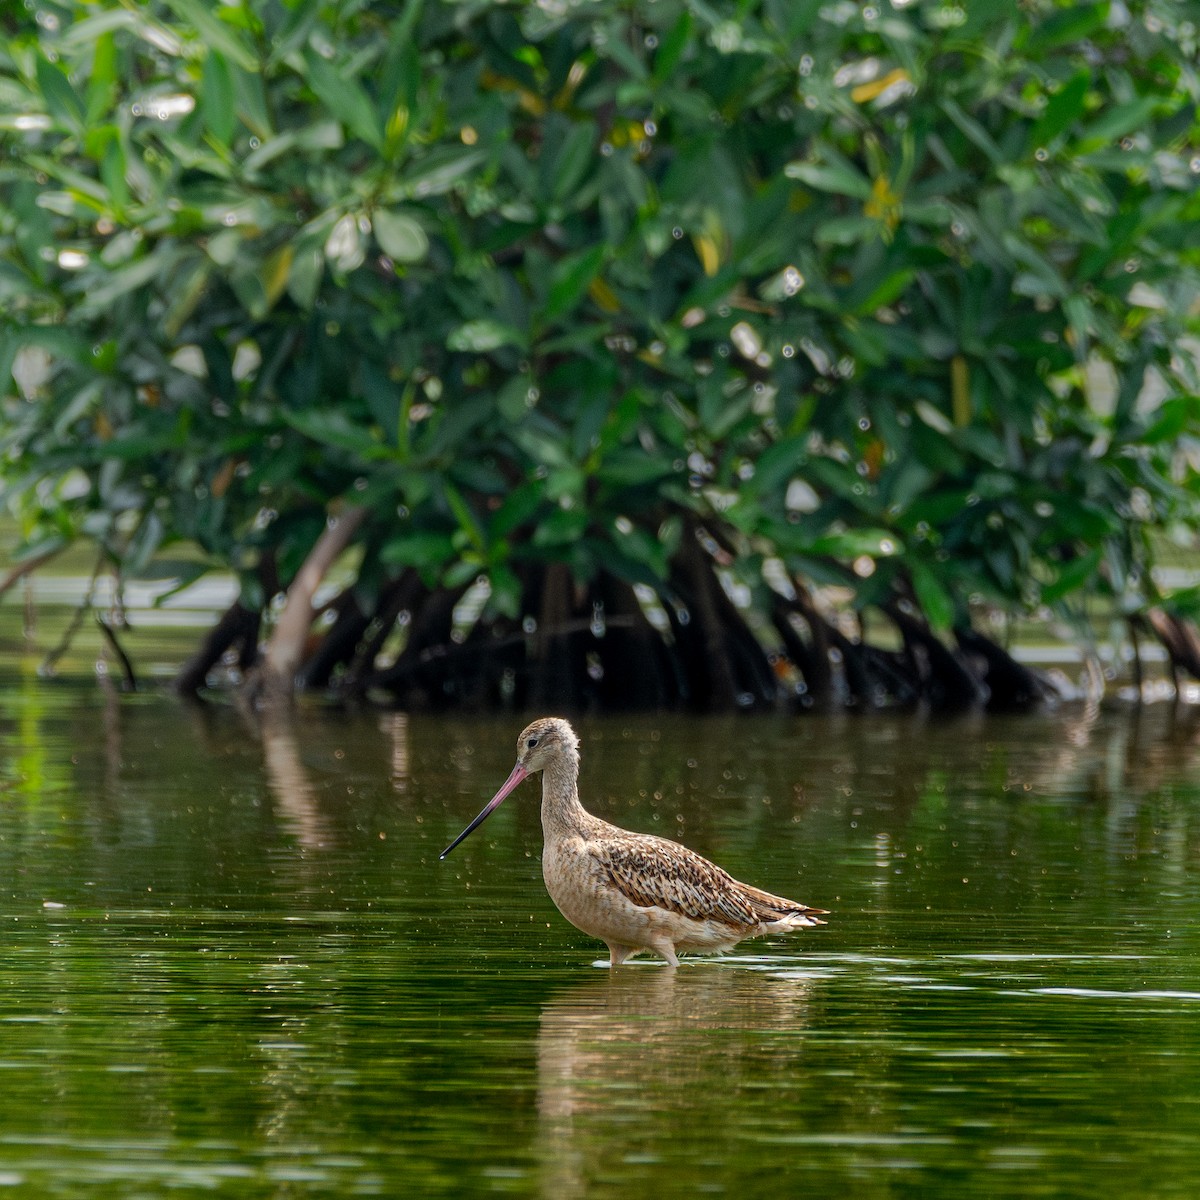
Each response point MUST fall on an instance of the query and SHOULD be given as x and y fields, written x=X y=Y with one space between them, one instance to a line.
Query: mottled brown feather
x=653 y=872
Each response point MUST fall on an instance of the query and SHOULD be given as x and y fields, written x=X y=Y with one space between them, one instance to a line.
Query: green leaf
x=333 y=427
x=544 y=448
x=346 y=99
x=720 y=412
x=881 y=292
x=563 y=526
x=145 y=541
x=422 y=549
x=855 y=543
x=518 y=508
x=846 y=231
x=137 y=445
x=305 y=274
x=614 y=47
x=136 y=275
x=670 y=52
x=461 y=572
x=400 y=236
x=1116 y=122
x=464 y=514
x=1040 y=277
x=566 y=484
x=1062 y=109
x=904 y=483
x=42 y=547
x=937 y=508
x=973 y=131
x=936 y=602
x=181 y=573
x=1071 y=24
x=629 y=468
x=570 y=280
x=642 y=546
x=1184 y=602
x=214 y=32
x=777 y=465
x=840 y=478
x=1072 y=576
x=1082 y=520
x=576 y=154
x=114 y=172
x=512 y=400
x=440 y=170
x=1172 y=417
x=102 y=82
x=836 y=176
x=478 y=337
x=506 y=591
x=189 y=286
x=62 y=101
x=217 y=98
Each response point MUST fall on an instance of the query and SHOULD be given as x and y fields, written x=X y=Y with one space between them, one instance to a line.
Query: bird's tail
x=776 y=908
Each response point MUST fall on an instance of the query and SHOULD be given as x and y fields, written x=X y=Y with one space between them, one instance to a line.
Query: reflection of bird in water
x=622 y=1053
x=633 y=1024
x=632 y=890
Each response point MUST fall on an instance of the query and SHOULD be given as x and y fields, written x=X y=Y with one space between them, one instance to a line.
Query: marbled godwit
x=632 y=890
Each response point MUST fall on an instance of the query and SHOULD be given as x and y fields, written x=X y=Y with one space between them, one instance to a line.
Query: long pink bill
x=518 y=774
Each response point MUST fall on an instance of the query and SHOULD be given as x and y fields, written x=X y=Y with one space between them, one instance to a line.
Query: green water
x=232 y=963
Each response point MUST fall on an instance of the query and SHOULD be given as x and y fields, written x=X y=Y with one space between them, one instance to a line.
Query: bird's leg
x=665 y=949
x=618 y=953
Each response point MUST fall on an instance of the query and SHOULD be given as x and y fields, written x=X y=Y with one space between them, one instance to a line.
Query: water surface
x=233 y=964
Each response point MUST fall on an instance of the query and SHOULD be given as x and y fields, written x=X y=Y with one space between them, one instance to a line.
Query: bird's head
x=548 y=741
x=544 y=741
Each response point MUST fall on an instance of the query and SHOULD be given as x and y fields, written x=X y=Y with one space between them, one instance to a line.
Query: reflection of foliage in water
x=239 y=984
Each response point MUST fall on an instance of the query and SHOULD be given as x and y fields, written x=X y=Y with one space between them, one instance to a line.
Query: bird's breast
x=584 y=894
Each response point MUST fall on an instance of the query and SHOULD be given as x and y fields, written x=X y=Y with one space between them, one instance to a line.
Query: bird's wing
x=657 y=873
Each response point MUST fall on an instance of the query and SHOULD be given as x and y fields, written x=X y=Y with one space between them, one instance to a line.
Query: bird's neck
x=562 y=814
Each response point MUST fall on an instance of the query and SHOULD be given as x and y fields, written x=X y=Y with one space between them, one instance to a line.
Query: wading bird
x=634 y=891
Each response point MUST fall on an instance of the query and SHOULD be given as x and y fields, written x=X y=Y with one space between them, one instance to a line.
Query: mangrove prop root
x=237 y=626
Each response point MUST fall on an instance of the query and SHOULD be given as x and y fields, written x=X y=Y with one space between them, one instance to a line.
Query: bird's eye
x=531 y=743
